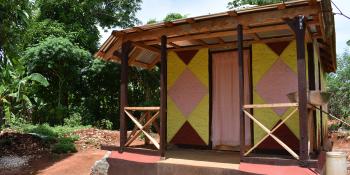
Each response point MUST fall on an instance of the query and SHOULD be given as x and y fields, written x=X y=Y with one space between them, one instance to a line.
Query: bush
x=64 y=147
x=59 y=135
x=74 y=120
x=104 y=124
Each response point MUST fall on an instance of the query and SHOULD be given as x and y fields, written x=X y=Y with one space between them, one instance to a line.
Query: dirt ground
x=42 y=162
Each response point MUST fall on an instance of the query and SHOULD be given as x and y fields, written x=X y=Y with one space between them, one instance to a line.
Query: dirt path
x=79 y=163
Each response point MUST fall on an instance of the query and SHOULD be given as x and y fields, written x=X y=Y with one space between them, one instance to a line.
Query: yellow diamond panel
x=265 y=115
x=263 y=59
x=289 y=56
x=199 y=119
x=175 y=119
x=293 y=122
x=175 y=67
x=199 y=66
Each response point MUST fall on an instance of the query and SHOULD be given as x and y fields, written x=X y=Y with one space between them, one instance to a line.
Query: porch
x=194 y=161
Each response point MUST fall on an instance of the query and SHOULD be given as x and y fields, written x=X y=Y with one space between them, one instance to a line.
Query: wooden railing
x=268 y=131
x=148 y=116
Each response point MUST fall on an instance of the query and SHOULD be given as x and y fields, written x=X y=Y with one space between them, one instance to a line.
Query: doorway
x=225 y=125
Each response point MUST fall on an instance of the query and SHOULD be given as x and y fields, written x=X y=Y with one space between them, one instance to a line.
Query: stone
x=101 y=166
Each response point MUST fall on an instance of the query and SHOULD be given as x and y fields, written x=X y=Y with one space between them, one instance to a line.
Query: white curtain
x=225 y=96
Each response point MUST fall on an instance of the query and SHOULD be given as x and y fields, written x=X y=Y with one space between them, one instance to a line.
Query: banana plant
x=13 y=95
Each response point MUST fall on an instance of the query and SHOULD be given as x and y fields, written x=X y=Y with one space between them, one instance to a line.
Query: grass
x=59 y=137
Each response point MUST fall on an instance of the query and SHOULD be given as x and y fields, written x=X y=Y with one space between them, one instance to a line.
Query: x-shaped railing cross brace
x=270 y=133
x=141 y=128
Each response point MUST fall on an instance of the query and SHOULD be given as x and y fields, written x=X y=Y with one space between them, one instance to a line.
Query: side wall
x=188 y=98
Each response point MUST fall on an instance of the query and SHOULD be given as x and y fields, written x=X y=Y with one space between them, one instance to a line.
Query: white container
x=336 y=163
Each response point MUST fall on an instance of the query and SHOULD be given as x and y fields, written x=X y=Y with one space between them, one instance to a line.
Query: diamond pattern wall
x=274 y=73
x=188 y=97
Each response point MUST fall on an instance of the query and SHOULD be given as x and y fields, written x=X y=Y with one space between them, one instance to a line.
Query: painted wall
x=274 y=70
x=188 y=98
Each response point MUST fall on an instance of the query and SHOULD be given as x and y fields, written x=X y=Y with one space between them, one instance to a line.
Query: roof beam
x=226 y=22
x=233 y=44
x=223 y=33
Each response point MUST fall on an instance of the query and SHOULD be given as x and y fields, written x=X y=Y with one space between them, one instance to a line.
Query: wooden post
x=241 y=88
x=298 y=26
x=163 y=95
x=124 y=93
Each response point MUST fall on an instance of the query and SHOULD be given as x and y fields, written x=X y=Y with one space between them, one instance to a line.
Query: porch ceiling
x=261 y=24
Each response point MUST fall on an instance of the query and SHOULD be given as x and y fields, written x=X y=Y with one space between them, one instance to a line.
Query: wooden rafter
x=174 y=45
x=203 y=43
x=144 y=46
x=223 y=33
x=231 y=44
x=220 y=40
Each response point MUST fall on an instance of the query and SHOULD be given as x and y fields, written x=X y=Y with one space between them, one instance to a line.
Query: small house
x=250 y=81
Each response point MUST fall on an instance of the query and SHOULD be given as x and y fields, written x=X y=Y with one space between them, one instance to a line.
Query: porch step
x=132 y=164
x=189 y=167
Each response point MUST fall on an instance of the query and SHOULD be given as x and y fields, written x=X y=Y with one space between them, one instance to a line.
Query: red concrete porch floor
x=194 y=162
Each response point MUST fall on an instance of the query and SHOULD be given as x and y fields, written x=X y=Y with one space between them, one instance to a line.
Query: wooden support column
x=298 y=26
x=163 y=94
x=124 y=93
x=241 y=88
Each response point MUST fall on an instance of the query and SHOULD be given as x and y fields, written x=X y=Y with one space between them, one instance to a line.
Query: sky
x=158 y=9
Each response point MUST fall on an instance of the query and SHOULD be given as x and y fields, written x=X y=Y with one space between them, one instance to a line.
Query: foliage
x=59 y=136
x=174 y=16
x=65 y=145
x=14 y=92
x=74 y=120
x=14 y=16
x=339 y=86
x=104 y=124
x=239 y=3
x=82 y=17
x=38 y=31
x=61 y=62
x=169 y=17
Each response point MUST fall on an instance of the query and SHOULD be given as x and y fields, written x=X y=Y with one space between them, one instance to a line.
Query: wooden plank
x=274 y=105
x=286 y=147
x=143 y=116
x=115 y=46
x=173 y=44
x=149 y=108
x=163 y=95
x=190 y=20
x=155 y=61
x=147 y=47
x=226 y=22
x=124 y=93
x=298 y=26
x=241 y=87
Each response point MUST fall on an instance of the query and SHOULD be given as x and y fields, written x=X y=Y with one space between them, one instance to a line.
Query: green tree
x=169 y=17
x=339 y=86
x=14 y=16
x=238 y=3
x=61 y=63
x=82 y=17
